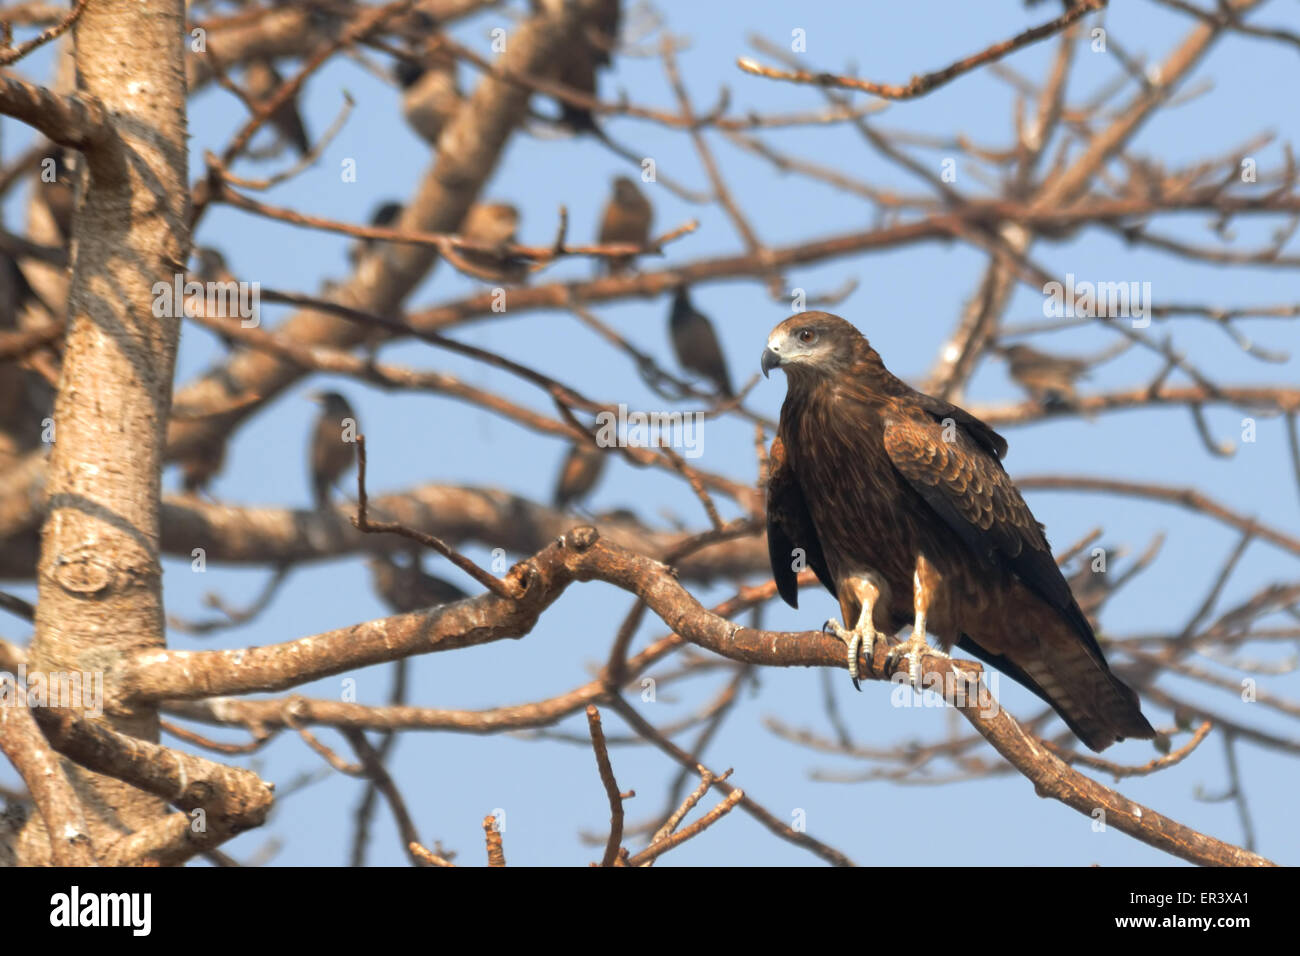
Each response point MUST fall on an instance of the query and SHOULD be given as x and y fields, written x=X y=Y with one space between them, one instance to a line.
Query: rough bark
x=99 y=575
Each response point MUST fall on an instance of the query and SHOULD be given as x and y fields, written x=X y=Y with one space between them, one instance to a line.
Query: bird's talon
x=858 y=641
x=914 y=648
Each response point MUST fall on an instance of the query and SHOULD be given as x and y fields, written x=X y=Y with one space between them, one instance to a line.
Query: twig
x=611 y=787
x=920 y=85
x=364 y=524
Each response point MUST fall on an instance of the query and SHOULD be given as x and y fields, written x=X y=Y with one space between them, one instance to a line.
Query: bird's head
x=408 y=73
x=625 y=192
x=812 y=345
x=1012 y=352
x=386 y=213
x=332 y=403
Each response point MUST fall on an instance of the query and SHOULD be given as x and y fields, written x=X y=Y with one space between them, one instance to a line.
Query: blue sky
x=906 y=302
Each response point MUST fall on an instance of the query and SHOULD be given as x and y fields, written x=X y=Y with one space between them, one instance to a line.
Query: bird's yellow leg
x=925 y=579
x=859 y=594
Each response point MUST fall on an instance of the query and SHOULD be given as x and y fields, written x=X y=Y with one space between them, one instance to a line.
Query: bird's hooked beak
x=771 y=359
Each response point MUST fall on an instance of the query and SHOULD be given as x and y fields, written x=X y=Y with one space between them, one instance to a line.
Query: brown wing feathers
x=870 y=474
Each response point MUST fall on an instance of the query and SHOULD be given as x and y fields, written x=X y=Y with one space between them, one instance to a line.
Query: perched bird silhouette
x=54 y=190
x=430 y=94
x=14 y=291
x=580 y=62
x=582 y=468
x=384 y=215
x=1049 y=379
x=263 y=81
x=493 y=224
x=210 y=265
x=408 y=587
x=696 y=343
x=899 y=503
x=1093 y=582
x=627 y=218
x=333 y=444
x=200 y=466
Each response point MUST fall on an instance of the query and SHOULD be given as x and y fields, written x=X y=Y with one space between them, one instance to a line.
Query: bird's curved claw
x=858 y=640
x=914 y=648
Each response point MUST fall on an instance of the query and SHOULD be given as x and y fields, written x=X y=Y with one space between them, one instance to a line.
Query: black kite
x=900 y=504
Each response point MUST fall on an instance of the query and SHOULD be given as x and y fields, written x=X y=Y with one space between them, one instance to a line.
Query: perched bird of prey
x=900 y=504
x=581 y=470
x=580 y=61
x=696 y=343
x=263 y=81
x=408 y=587
x=430 y=95
x=1049 y=379
x=627 y=218
x=333 y=444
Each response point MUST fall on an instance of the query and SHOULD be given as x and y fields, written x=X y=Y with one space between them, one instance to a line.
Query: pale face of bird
x=811 y=344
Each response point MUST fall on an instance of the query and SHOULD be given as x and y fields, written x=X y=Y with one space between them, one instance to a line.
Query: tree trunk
x=99 y=575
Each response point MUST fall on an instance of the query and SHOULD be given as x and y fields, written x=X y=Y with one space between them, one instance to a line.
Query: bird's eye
x=807 y=336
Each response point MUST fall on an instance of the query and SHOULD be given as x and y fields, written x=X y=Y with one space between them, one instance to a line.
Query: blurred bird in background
x=581 y=470
x=263 y=81
x=1049 y=379
x=493 y=224
x=54 y=189
x=696 y=343
x=202 y=465
x=1093 y=581
x=20 y=388
x=14 y=290
x=408 y=587
x=430 y=94
x=333 y=444
x=581 y=61
x=384 y=216
x=210 y=265
x=627 y=218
